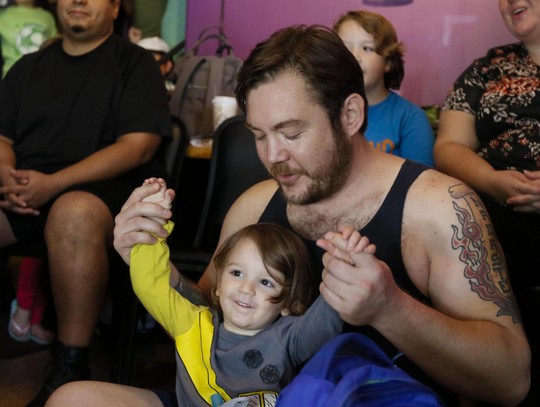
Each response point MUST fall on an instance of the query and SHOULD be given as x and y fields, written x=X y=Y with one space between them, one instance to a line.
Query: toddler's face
x=245 y=288
x=362 y=45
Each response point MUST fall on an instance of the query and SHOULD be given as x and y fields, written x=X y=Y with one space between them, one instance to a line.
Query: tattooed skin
x=189 y=292
x=481 y=252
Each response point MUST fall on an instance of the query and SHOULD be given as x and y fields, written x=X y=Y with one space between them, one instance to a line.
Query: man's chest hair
x=313 y=223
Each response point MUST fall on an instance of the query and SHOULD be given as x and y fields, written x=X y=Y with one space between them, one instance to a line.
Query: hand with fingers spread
x=136 y=217
x=355 y=283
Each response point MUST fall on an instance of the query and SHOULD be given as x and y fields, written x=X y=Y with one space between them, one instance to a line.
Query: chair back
x=175 y=150
x=234 y=168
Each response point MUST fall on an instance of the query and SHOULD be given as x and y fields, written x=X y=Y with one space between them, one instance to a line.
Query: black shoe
x=69 y=365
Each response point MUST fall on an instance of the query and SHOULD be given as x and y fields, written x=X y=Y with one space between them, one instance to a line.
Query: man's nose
x=276 y=151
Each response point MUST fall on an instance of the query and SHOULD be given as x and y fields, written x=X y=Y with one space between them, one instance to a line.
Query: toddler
x=256 y=335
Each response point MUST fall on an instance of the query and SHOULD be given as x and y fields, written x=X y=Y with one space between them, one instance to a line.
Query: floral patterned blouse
x=501 y=91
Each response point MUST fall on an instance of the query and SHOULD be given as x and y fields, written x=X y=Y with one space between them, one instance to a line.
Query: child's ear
x=285 y=312
x=388 y=66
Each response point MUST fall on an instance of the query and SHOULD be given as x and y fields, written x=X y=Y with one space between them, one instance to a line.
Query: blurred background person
x=489 y=136
x=158 y=47
x=24 y=27
x=395 y=125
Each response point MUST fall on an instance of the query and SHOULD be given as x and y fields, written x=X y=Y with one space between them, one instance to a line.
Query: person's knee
x=76 y=218
x=70 y=394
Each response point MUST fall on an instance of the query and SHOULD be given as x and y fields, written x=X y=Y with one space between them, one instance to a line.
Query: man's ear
x=116 y=8
x=352 y=114
x=285 y=312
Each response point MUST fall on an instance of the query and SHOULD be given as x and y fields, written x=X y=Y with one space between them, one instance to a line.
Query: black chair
x=234 y=168
x=125 y=302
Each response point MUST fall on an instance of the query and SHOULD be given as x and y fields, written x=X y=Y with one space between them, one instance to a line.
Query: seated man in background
x=79 y=125
x=441 y=297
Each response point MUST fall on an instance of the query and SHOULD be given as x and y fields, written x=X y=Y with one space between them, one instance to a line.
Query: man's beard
x=326 y=180
x=77 y=29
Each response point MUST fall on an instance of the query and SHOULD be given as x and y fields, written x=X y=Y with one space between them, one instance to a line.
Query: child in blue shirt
x=395 y=125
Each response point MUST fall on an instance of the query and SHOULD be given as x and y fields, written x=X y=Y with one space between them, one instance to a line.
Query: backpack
x=351 y=370
x=197 y=80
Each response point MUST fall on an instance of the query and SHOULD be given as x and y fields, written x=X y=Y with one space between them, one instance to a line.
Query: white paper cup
x=223 y=107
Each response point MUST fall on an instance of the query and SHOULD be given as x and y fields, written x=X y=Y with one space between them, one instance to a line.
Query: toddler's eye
x=266 y=283
x=236 y=273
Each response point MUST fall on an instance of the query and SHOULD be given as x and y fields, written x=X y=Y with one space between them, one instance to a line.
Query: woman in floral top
x=489 y=137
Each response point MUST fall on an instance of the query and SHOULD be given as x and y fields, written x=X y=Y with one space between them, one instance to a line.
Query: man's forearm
x=477 y=359
x=110 y=162
x=187 y=289
x=7 y=158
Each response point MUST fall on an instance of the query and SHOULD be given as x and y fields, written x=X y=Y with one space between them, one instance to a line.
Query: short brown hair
x=386 y=41
x=281 y=250
x=317 y=54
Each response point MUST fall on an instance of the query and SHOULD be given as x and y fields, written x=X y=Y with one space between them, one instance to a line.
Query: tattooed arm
x=186 y=288
x=472 y=340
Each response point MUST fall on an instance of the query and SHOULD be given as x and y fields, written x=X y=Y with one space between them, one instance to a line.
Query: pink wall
x=442 y=37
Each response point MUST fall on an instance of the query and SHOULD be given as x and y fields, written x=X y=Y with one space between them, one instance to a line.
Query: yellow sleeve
x=150 y=273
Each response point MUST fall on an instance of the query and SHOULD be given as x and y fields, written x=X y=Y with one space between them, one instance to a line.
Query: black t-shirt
x=59 y=109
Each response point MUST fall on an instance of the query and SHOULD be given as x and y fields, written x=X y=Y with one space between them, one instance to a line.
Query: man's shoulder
x=257 y=197
x=432 y=184
x=25 y=62
x=123 y=48
x=431 y=197
x=248 y=208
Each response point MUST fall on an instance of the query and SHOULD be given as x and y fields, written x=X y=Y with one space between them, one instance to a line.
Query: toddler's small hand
x=162 y=197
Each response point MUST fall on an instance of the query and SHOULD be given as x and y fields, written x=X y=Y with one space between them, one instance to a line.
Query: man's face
x=295 y=141
x=87 y=19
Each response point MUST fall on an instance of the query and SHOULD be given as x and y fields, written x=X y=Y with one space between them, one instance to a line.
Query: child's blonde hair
x=386 y=42
x=280 y=250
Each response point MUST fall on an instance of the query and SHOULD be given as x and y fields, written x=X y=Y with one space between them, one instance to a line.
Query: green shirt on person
x=22 y=31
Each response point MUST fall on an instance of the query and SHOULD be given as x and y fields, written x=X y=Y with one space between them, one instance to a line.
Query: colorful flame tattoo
x=481 y=252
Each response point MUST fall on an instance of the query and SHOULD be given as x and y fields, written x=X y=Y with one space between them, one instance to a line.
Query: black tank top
x=384 y=230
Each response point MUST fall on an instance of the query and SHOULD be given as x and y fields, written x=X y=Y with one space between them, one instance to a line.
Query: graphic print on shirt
x=253 y=358
x=386 y=146
x=30 y=38
x=481 y=252
x=261 y=398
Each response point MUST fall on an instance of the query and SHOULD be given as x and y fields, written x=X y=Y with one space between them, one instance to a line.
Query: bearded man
x=79 y=125
x=440 y=294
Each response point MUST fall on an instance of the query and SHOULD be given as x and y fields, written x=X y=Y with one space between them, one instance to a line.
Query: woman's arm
x=455 y=155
